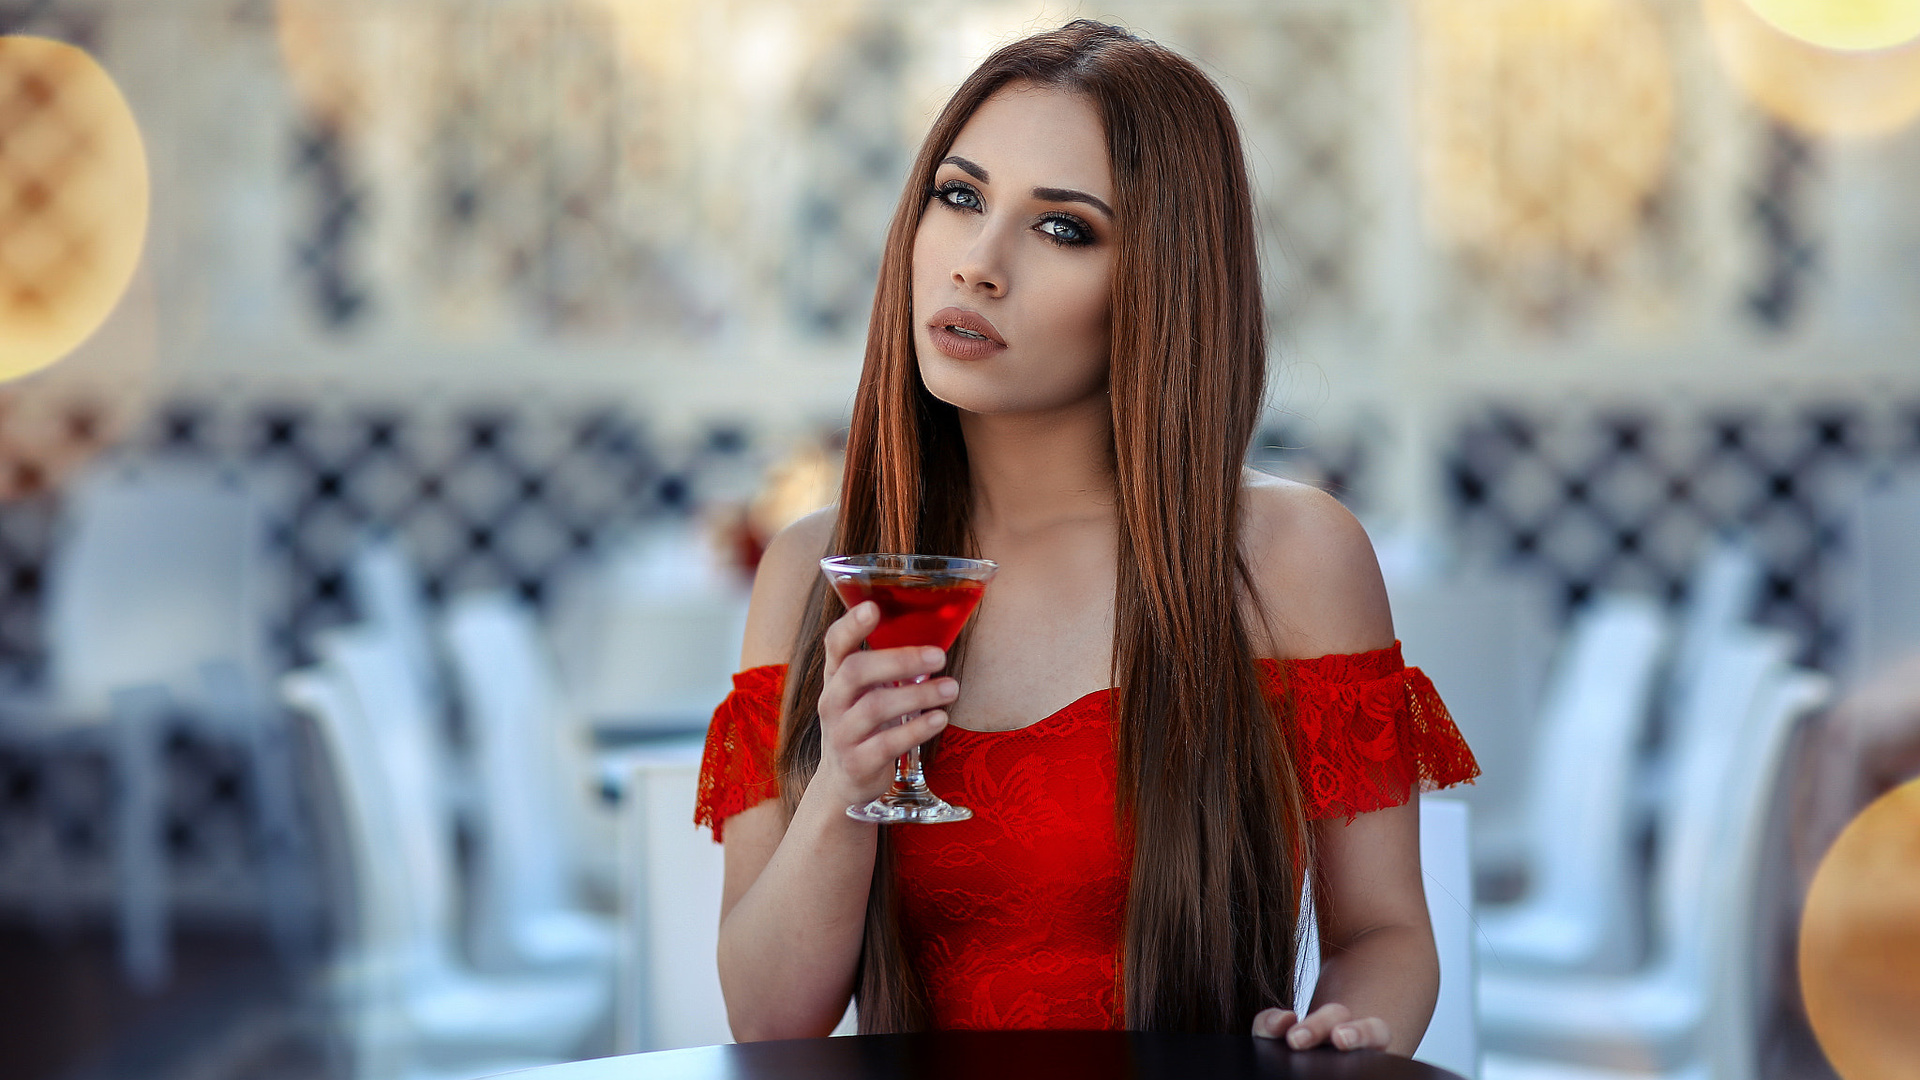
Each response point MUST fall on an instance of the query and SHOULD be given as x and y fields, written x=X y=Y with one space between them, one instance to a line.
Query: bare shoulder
x=786 y=576
x=1316 y=579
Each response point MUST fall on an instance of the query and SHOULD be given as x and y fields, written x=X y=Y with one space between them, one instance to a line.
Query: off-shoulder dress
x=1014 y=918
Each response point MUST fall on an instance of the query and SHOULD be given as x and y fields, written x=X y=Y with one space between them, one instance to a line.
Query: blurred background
x=430 y=373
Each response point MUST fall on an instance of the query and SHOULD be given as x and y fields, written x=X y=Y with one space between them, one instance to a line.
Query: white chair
x=1720 y=597
x=533 y=786
x=1486 y=642
x=1690 y=1011
x=1581 y=908
x=647 y=637
x=390 y=598
x=155 y=595
x=412 y=1006
x=158 y=574
x=1884 y=578
x=671 y=874
x=1446 y=867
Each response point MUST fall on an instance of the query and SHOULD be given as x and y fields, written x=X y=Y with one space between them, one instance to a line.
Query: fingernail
x=949 y=689
x=937 y=720
x=932 y=656
x=1299 y=1037
x=1344 y=1038
x=869 y=611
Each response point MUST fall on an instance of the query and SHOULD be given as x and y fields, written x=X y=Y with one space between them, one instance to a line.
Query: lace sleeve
x=737 y=770
x=1368 y=732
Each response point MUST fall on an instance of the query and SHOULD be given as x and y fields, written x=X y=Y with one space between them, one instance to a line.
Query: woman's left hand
x=1332 y=1024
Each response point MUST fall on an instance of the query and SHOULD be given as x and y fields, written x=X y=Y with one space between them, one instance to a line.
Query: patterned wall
x=483 y=495
x=1623 y=498
x=571 y=181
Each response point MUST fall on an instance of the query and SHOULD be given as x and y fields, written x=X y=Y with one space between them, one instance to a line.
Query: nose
x=980 y=267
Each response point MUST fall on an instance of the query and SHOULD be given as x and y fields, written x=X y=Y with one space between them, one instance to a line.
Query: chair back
x=391 y=599
x=1485 y=642
x=1705 y=787
x=1711 y=830
x=1738 y=977
x=1884 y=618
x=156 y=575
x=522 y=734
x=1446 y=867
x=1720 y=597
x=668 y=983
x=381 y=921
x=398 y=754
x=1580 y=851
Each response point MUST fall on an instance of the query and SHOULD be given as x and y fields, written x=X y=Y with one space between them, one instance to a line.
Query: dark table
x=999 y=1055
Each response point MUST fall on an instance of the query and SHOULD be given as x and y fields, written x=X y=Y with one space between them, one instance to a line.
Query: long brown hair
x=1206 y=782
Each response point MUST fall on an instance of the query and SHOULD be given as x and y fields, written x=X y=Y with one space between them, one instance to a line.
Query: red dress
x=1014 y=918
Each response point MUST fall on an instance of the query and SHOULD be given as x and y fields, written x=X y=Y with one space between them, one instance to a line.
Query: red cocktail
x=923 y=600
x=914 y=609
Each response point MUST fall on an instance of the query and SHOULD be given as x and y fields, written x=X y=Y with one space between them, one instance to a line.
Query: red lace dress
x=1014 y=918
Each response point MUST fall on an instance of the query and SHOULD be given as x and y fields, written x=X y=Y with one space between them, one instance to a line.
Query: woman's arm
x=1320 y=592
x=794 y=901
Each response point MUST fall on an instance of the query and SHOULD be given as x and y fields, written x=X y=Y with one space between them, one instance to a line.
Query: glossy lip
x=960 y=346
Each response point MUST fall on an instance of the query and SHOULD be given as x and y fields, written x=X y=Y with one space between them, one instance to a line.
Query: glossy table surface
x=997 y=1055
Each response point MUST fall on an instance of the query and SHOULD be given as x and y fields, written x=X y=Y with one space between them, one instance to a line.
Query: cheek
x=1089 y=314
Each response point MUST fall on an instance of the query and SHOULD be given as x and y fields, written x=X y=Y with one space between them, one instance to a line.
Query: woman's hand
x=1330 y=1023
x=860 y=733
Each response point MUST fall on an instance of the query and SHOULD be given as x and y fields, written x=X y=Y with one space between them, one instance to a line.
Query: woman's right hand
x=861 y=735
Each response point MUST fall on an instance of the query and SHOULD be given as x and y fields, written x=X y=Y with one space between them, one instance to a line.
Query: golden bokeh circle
x=1855 y=25
x=1860 y=943
x=73 y=200
x=1545 y=124
x=1820 y=91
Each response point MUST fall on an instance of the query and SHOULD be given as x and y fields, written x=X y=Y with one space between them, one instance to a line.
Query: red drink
x=913 y=609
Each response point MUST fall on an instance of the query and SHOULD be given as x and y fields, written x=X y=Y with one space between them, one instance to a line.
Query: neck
x=1034 y=470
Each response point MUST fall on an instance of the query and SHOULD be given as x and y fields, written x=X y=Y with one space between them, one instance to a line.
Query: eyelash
x=942 y=194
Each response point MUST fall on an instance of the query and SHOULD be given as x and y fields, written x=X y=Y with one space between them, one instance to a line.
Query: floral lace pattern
x=1014 y=918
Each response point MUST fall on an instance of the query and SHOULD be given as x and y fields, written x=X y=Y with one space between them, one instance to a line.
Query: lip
x=962 y=346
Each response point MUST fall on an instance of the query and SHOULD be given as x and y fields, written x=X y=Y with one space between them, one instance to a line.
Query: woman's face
x=1013 y=261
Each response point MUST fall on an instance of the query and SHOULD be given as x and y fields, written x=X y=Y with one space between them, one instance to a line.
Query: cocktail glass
x=923 y=600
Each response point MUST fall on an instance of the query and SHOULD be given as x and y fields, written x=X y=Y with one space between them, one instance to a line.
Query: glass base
x=909 y=806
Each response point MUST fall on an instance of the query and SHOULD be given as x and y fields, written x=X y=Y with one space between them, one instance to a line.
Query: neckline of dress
x=1074 y=705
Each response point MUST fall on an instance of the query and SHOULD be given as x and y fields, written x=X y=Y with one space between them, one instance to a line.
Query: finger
x=883 y=706
x=1273 y=1023
x=885 y=748
x=1319 y=1023
x=867 y=673
x=1367 y=1033
x=903 y=664
x=844 y=636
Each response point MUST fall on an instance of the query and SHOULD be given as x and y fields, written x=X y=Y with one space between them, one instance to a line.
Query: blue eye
x=1065 y=229
x=957 y=194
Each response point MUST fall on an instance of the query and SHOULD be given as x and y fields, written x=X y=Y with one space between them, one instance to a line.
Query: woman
x=1064 y=368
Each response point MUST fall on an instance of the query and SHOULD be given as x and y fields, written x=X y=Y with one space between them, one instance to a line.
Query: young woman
x=1182 y=690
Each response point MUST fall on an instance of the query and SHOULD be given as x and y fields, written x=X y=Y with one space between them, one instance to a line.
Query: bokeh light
x=1545 y=124
x=318 y=51
x=1843 y=24
x=73 y=200
x=1821 y=91
x=1860 y=942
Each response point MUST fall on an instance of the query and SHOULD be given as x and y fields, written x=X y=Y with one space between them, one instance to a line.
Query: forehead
x=1035 y=136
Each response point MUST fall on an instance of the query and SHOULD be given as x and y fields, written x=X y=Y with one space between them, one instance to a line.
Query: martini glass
x=924 y=600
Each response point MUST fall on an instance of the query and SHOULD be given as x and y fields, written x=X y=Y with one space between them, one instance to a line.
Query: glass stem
x=907 y=772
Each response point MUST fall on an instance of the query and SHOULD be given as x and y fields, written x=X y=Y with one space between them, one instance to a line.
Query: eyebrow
x=1051 y=194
